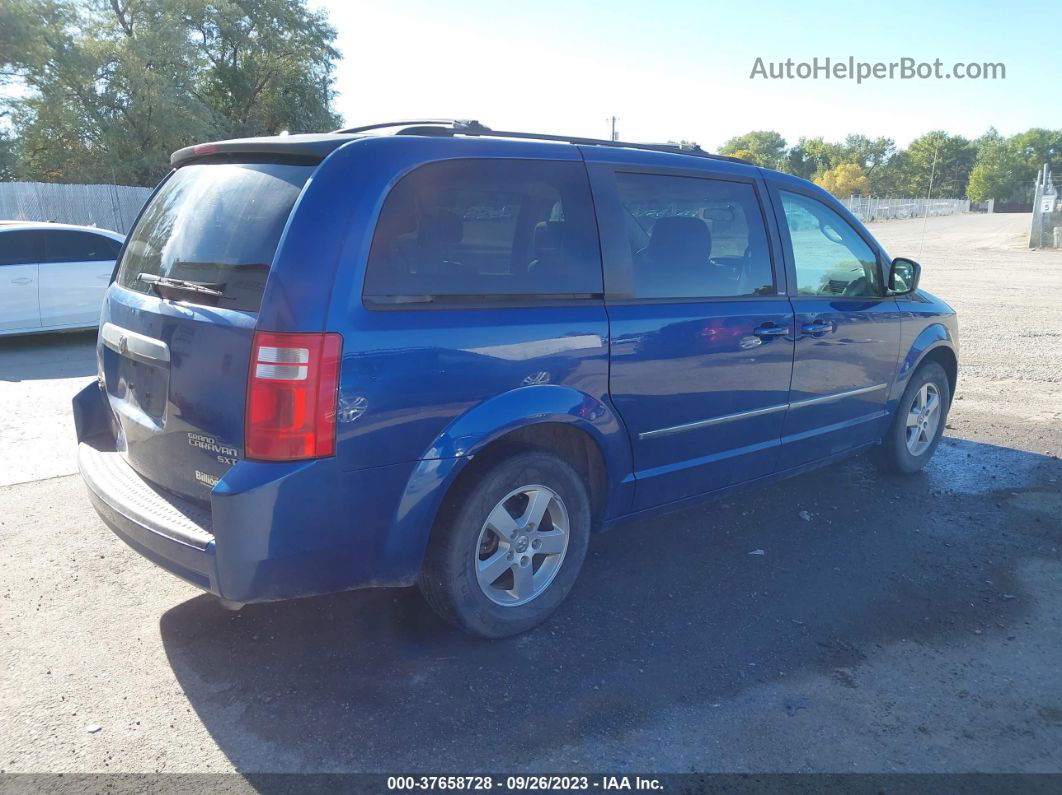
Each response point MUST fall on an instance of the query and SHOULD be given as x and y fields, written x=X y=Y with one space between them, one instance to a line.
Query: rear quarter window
x=217 y=225
x=476 y=230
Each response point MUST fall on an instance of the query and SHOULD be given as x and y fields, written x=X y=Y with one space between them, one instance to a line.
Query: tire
x=896 y=454
x=467 y=548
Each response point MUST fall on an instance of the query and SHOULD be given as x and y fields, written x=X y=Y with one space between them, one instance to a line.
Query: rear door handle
x=816 y=328
x=22 y=280
x=771 y=331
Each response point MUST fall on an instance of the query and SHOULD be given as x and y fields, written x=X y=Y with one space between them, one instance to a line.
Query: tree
x=799 y=163
x=765 y=148
x=7 y=157
x=113 y=87
x=997 y=172
x=270 y=62
x=946 y=160
x=813 y=156
x=1035 y=147
x=844 y=180
x=871 y=154
x=110 y=95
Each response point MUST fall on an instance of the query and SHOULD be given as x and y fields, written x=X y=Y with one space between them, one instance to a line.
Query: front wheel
x=919 y=422
x=506 y=551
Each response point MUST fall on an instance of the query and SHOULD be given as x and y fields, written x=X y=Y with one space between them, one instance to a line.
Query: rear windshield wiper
x=177 y=284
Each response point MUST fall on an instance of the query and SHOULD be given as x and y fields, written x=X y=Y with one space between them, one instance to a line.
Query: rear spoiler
x=314 y=147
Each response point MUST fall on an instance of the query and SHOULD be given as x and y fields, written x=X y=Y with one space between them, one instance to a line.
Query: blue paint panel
x=439 y=365
x=286 y=530
x=858 y=351
x=679 y=364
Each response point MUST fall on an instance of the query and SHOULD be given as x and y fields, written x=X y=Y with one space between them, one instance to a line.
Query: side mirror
x=903 y=276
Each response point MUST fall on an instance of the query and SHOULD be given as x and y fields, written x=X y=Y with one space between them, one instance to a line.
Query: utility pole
x=929 y=194
x=612 y=134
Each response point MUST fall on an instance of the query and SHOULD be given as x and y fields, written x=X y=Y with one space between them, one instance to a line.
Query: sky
x=679 y=70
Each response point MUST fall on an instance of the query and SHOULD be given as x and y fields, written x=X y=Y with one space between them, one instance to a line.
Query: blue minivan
x=433 y=353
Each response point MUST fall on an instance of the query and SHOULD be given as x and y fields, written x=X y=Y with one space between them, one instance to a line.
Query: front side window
x=693 y=237
x=475 y=229
x=64 y=245
x=830 y=256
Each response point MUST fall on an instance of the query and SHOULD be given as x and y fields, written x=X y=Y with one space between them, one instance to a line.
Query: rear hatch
x=179 y=322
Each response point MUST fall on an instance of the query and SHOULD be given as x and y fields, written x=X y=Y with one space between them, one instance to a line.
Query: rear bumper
x=273 y=530
x=172 y=533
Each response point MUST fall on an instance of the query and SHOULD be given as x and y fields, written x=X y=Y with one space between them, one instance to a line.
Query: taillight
x=291 y=396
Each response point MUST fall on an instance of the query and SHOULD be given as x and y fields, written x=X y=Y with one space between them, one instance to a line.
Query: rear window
x=216 y=225
x=481 y=229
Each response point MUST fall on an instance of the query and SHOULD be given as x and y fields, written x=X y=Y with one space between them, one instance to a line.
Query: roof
x=44 y=225
x=317 y=146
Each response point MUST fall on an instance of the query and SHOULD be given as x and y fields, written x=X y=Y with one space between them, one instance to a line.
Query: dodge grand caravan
x=438 y=354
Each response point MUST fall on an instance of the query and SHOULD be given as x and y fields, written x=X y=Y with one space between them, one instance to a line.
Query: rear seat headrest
x=440 y=228
x=680 y=240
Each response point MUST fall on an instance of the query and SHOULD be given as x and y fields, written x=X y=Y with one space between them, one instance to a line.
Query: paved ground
x=912 y=625
x=38 y=377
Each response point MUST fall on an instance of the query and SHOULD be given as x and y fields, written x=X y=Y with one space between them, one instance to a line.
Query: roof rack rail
x=471 y=127
x=456 y=124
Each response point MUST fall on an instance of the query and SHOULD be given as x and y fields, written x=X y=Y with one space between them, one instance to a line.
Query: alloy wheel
x=923 y=419
x=522 y=545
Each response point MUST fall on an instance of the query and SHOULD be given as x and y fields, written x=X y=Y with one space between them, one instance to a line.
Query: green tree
x=814 y=157
x=817 y=155
x=7 y=157
x=1035 y=147
x=945 y=159
x=870 y=154
x=270 y=64
x=113 y=87
x=799 y=163
x=893 y=177
x=997 y=171
x=765 y=148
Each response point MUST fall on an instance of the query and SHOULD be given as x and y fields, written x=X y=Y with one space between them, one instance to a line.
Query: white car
x=53 y=276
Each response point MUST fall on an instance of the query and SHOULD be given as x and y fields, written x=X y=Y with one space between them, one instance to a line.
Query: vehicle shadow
x=670 y=613
x=39 y=357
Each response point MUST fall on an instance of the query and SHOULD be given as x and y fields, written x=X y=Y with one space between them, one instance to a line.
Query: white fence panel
x=107 y=206
x=876 y=208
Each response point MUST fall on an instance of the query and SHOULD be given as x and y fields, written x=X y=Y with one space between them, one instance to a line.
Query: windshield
x=216 y=226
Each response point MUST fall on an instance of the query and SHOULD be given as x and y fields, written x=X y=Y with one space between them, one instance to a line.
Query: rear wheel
x=919 y=422
x=506 y=551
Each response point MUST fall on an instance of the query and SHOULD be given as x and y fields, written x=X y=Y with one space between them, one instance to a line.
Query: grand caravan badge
x=223 y=453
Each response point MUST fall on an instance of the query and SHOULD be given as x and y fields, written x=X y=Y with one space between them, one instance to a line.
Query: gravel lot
x=914 y=624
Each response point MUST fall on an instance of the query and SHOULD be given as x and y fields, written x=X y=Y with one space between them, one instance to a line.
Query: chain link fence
x=106 y=206
x=877 y=208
